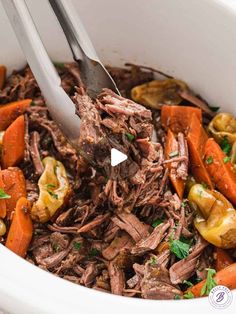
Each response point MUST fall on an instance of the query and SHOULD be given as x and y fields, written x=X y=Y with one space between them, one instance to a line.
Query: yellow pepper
x=223 y=125
x=155 y=93
x=216 y=217
x=53 y=190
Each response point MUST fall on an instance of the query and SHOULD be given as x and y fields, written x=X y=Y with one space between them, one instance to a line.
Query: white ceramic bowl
x=194 y=40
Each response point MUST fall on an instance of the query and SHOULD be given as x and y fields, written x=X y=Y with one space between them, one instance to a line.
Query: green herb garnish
x=56 y=247
x=153 y=260
x=93 y=252
x=184 y=204
x=59 y=65
x=174 y=154
x=226 y=159
x=179 y=248
x=214 y=109
x=209 y=160
x=205 y=186
x=188 y=283
x=3 y=194
x=210 y=282
x=197 y=280
x=185 y=240
x=77 y=245
x=130 y=137
x=53 y=194
x=177 y=297
x=225 y=145
x=189 y=295
x=50 y=185
x=157 y=222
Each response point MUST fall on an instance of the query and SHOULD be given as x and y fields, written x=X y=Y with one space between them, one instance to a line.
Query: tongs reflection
x=93 y=73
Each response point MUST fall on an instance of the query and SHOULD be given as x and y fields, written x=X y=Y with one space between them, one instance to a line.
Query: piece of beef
x=39 y=119
x=132 y=225
x=156 y=284
x=120 y=242
x=89 y=275
x=151 y=242
x=34 y=152
x=59 y=241
x=185 y=268
x=117 y=278
x=94 y=223
x=182 y=169
x=205 y=261
x=92 y=139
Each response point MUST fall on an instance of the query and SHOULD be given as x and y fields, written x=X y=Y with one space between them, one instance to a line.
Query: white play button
x=117 y=157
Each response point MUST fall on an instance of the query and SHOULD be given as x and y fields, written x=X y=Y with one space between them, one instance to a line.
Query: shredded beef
x=113 y=233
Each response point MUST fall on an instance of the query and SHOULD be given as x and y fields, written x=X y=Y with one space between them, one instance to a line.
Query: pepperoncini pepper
x=222 y=126
x=53 y=189
x=157 y=92
x=216 y=217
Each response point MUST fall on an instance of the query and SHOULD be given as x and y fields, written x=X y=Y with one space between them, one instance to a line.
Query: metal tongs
x=93 y=73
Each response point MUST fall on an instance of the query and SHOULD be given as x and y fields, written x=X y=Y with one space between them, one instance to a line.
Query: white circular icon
x=220 y=297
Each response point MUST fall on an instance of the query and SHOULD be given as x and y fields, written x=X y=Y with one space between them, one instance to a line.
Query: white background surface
x=195 y=40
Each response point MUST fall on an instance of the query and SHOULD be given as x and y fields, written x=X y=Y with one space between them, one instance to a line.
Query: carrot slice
x=220 y=170
x=21 y=229
x=15 y=186
x=3 y=71
x=14 y=143
x=223 y=259
x=171 y=146
x=10 y=111
x=3 y=208
x=177 y=117
x=196 y=139
x=225 y=277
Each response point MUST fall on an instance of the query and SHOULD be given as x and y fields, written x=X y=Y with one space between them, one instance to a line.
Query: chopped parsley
x=179 y=248
x=175 y=153
x=153 y=260
x=210 y=282
x=177 y=297
x=226 y=159
x=77 y=245
x=157 y=222
x=50 y=185
x=197 y=280
x=189 y=295
x=130 y=137
x=214 y=109
x=93 y=252
x=3 y=194
x=56 y=247
x=185 y=240
x=225 y=145
x=59 y=65
x=209 y=160
x=55 y=196
x=205 y=186
x=188 y=283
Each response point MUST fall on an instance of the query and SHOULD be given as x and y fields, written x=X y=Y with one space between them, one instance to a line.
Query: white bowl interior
x=191 y=40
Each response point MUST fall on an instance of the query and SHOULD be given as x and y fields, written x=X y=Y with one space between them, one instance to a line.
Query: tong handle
x=74 y=30
x=58 y=102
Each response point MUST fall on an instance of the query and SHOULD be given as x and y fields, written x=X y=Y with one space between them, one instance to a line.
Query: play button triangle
x=117 y=157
